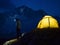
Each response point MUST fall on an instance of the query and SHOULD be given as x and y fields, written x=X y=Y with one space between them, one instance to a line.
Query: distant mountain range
x=23 y=11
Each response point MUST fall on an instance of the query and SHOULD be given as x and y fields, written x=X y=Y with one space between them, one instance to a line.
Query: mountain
x=28 y=12
x=28 y=17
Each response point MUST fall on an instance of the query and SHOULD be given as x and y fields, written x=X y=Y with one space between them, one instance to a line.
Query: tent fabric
x=48 y=22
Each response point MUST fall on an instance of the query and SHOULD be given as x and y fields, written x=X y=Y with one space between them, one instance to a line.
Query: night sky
x=52 y=7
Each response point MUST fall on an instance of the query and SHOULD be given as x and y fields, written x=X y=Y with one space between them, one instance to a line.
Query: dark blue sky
x=50 y=6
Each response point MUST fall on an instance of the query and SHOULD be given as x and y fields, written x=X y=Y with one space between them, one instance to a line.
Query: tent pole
x=49 y=22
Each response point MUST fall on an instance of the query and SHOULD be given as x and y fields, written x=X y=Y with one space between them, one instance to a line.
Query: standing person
x=18 y=27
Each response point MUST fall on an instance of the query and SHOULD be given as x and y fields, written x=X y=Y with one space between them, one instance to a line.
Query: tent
x=48 y=22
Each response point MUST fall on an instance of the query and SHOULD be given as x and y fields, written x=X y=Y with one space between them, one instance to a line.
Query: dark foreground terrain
x=40 y=37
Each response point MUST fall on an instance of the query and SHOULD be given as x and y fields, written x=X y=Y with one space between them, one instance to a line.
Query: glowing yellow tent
x=48 y=22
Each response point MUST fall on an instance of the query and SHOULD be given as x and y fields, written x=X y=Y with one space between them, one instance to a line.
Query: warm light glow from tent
x=48 y=22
